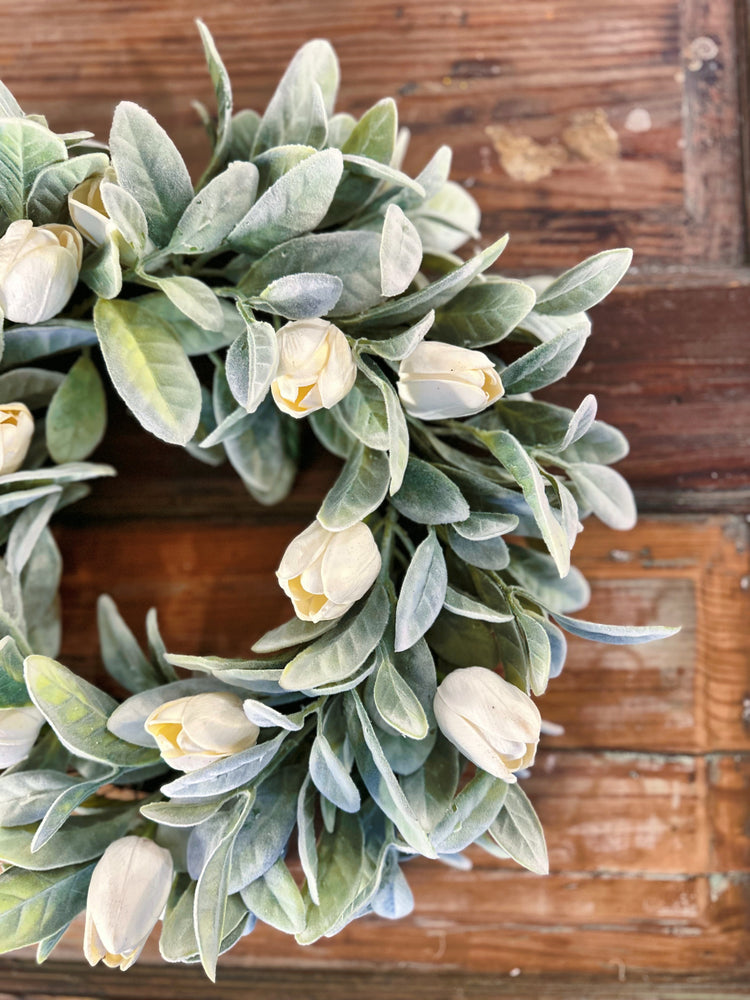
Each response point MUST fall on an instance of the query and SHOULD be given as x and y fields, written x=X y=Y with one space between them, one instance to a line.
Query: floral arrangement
x=392 y=715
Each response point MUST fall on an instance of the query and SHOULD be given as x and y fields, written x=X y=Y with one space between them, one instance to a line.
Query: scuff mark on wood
x=588 y=138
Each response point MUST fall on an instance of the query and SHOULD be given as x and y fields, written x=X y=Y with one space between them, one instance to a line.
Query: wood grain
x=57 y=979
x=634 y=105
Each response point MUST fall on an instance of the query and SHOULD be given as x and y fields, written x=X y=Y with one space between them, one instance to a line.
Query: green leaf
x=513 y=457
x=395 y=701
x=292 y=633
x=301 y=296
x=398 y=433
x=195 y=299
x=341 y=860
x=195 y=339
x=306 y=847
x=422 y=592
x=150 y=167
x=360 y=489
x=467 y=607
x=35 y=905
x=518 y=831
x=214 y=212
x=483 y=314
x=585 y=284
x=331 y=777
x=447 y=219
x=470 y=814
x=83 y=838
x=25 y=796
x=538 y=649
x=209 y=908
x=428 y=496
x=537 y=574
x=295 y=204
x=338 y=653
x=486 y=553
x=48 y=198
x=251 y=363
x=177 y=942
x=265 y=833
x=379 y=778
x=39 y=585
x=122 y=656
x=606 y=493
x=401 y=345
x=430 y=789
x=482 y=525
x=304 y=98
x=412 y=307
x=223 y=91
x=101 y=271
x=127 y=215
x=149 y=369
x=627 y=635
x=275 y=899
x=26 y=530
x=60 y=809
x=180 y=814
x=29 y=343
x=363 y=414
x=77 y=414
x=400 y=252
x=546 y=363
x=78 y=713
x=581 y=421
x=354 y=257
x=26 y=148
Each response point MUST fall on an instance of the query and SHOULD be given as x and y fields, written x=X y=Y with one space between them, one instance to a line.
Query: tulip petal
x=218 y=724
x=351 y=564
x=128 y=892
x=440 y=399
x=303 y=550
x=432 y=357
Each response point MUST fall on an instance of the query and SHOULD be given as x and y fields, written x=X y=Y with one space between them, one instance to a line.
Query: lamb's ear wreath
x=391 y=716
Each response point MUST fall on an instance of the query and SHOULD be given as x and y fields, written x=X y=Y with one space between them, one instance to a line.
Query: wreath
x=391 y=716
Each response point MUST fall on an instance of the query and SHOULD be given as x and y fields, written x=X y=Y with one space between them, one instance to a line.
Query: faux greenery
x=323 y=283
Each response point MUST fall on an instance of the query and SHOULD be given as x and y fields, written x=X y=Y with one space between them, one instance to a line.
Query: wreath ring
x=392 y=715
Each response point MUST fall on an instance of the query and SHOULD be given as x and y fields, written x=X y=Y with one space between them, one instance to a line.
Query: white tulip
x=316 y=368
x=127 y=895
x=437 y=381
x=325 y=572
x=16 y=431
x=19 y=728
x=39 y=268
x=491 y=721
x=87 y=210
x=201 y=728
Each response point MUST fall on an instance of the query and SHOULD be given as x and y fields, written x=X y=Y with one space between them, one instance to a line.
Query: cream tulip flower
x=87 y=210
x=316 y=368
x=437 y=381
x=39 y=268
x=19 y=728
x=325 y=572
x=491 y=721
x=16 y=431
x=201 y=728
x=127 y=895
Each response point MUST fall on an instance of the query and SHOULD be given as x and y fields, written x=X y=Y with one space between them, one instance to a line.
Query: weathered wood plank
x=56 y=979
x=593 y=122
x=215 y=591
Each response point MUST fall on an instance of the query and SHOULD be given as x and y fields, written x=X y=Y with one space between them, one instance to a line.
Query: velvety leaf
x=428 y=496
x=585 y=284
x=214 y=212
x=77 y=414
x=251 y=364
x=48 y=198
x=34 y=905
x=483 y=314
x=400 y=252
x=627 y=635
x=422 y=592
x=360 y=489
x=26 y=148
x=518 y=831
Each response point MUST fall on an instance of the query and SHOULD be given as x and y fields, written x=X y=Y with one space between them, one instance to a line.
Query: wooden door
x=578 y=125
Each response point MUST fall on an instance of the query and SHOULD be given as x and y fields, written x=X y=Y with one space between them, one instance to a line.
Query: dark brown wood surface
x=577 y=124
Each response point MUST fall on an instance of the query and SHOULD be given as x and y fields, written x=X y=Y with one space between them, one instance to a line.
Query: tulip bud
x=87 y=210
x=16 y=431
x=316 y=367
x=201 y=728
x=492 y=722
x=325 y=572
x=39 y=268
x=437 y=381
x=19 y=728
x=127 y=895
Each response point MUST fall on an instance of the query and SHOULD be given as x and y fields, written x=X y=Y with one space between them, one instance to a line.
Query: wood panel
x=594 y=122
x=57 y=979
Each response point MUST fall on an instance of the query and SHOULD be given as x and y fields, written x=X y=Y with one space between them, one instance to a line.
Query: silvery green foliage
x=301 y=213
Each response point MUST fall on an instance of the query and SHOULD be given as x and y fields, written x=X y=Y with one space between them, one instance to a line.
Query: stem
x=386 y=543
